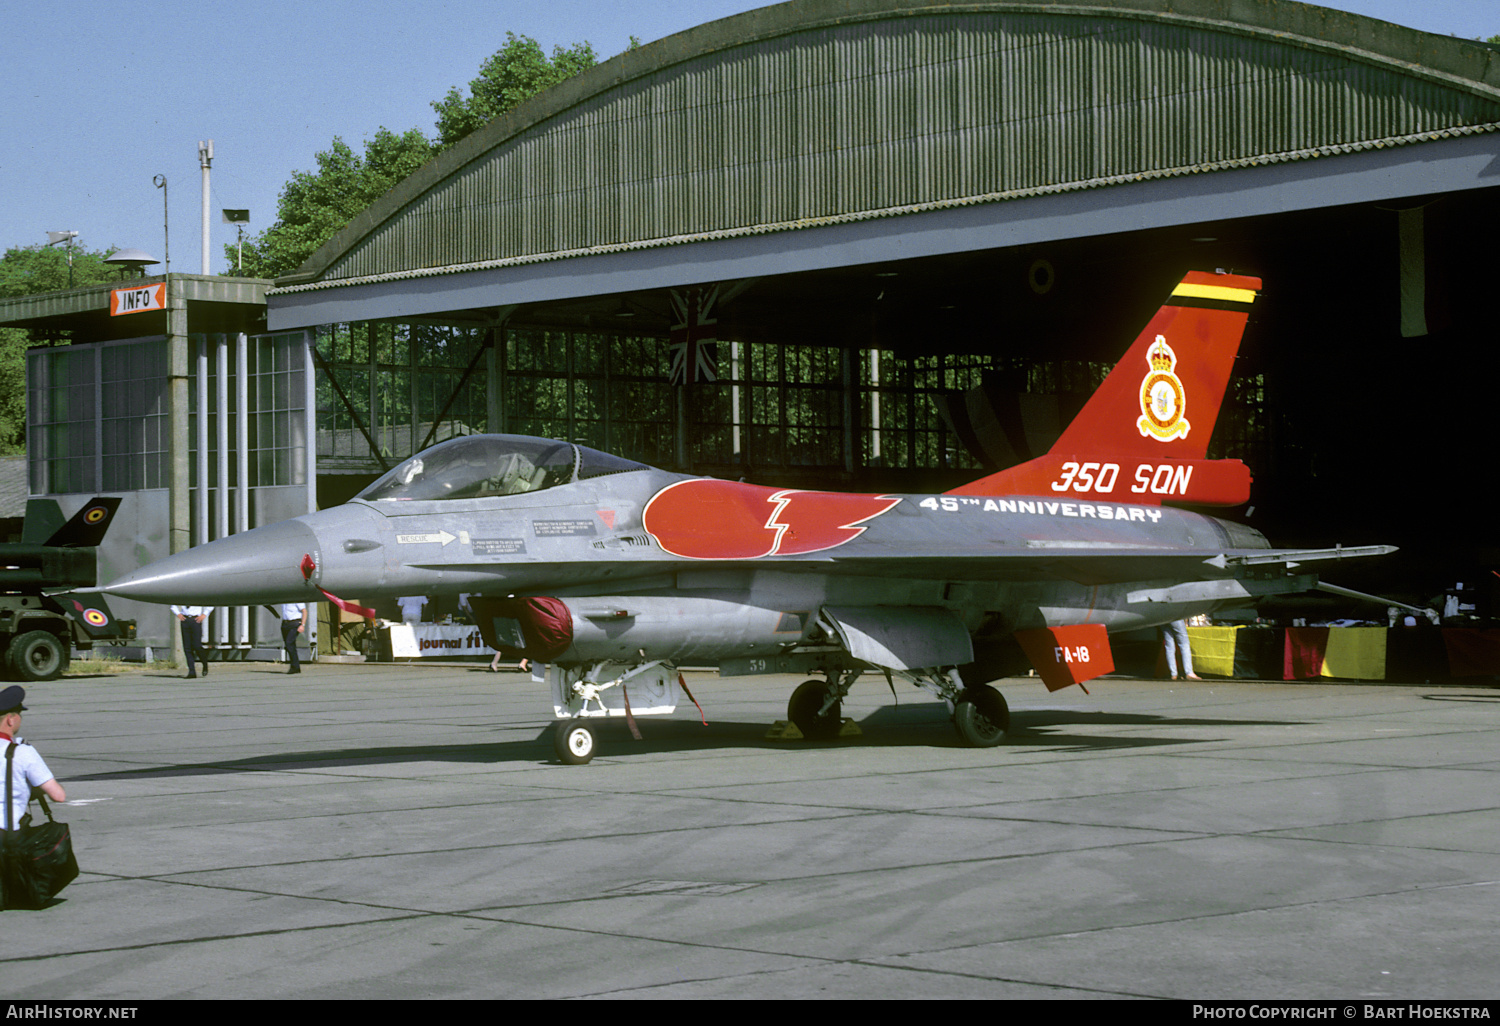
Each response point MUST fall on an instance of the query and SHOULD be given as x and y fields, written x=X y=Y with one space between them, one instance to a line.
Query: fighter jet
x=614 y=573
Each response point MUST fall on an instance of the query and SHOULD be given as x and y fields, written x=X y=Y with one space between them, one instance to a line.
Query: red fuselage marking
x=710 y=519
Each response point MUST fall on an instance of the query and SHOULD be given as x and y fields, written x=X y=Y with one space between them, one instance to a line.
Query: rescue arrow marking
x=441 y=537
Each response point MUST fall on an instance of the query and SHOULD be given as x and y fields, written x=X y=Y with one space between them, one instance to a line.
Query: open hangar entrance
x=898 y=203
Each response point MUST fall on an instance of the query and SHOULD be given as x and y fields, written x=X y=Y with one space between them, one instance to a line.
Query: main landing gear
x=980 y=713
x=981 y=716
x=817 y=707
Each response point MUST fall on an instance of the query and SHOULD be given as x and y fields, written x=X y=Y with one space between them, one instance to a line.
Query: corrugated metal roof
x=14 y=486
x=814 y=112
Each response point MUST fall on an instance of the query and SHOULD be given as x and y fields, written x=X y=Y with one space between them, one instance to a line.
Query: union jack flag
x=693 y=336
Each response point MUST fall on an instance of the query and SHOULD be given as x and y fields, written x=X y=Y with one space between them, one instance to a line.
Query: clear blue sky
x=99 y=96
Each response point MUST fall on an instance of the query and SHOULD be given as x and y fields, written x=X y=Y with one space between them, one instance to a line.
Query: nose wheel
x=574 y=742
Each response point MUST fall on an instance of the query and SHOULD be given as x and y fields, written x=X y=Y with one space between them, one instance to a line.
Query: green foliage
x=29 y=270
x=26 y=271
x=515 y=73
x=13 y=344
x=315 y=205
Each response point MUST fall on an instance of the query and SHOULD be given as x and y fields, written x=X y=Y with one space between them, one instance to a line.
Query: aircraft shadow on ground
x=924 y=726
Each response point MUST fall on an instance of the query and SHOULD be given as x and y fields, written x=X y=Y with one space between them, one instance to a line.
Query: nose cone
x=258 y=566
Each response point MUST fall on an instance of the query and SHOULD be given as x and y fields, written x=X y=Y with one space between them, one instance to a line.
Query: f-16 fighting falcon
x=614 y=573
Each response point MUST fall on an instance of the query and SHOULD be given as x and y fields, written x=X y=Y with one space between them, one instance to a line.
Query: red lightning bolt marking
x=708 y=519
x=826 y=519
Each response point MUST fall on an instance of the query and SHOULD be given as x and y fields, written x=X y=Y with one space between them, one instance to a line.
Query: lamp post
x=53 y=238
x=161 y=183
x=205 y=160
x=238 y=218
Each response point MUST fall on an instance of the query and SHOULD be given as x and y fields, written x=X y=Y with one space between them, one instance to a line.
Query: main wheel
x=38 y=655
x=981 y=716
x=802 y=709
x=574 y=742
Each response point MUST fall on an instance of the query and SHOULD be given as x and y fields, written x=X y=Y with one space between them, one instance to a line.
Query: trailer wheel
x=38 y=655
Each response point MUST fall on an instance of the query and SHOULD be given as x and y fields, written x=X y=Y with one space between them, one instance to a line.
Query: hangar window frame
x=806 y=407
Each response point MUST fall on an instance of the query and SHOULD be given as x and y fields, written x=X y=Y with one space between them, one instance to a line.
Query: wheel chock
x=785 y=730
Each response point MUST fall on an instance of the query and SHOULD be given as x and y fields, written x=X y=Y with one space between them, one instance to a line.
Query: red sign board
x=1068 y=655
x=138 y=300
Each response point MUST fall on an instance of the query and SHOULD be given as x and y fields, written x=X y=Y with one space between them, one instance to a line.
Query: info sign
x=138 y=300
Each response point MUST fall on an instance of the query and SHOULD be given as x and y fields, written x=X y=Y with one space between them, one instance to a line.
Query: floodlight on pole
x=53 y=238
x=238 y=218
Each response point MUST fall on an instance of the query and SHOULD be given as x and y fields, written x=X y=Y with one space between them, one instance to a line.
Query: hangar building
x=882 y=210
x=895 y=197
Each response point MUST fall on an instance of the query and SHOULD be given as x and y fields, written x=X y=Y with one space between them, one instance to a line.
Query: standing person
x=29 y=770
x=1174 y=637
x=293 y=623
x=191 y=620
x=411 y=607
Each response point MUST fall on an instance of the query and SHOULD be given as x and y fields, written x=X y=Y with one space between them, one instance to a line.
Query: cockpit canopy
x=480 y=465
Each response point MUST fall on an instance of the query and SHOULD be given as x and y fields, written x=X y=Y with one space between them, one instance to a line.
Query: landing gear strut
x=980 y=713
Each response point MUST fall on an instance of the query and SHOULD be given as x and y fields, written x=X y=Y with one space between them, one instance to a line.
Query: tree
x=29 y=270
x=26 y=271
x=513 y=74
x=315 y=205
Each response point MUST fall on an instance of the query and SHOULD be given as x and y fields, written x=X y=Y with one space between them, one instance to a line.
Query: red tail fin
x=1144 y=434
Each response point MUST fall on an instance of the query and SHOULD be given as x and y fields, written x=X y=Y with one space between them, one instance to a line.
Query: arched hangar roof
x=820 y=133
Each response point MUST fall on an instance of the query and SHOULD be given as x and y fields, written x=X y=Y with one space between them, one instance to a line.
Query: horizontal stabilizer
x=1430 y=615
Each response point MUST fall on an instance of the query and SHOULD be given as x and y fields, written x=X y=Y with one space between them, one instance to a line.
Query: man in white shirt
x=293 y=622
x=192 y=619
x=411 y=607
x=28 y=770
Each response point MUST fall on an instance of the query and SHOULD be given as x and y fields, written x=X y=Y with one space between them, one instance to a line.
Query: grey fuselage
x=994 y=563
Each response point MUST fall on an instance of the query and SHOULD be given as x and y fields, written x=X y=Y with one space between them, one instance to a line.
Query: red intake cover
x=546 y=625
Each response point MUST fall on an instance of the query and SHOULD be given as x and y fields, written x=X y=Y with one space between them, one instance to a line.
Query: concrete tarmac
x=390 y=831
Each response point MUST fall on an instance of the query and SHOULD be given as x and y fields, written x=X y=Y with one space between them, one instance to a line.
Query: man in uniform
x=293 y=615
x=191 y=619
x=28 y=770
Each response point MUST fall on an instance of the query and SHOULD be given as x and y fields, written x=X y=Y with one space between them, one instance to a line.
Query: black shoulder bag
x=35 y=861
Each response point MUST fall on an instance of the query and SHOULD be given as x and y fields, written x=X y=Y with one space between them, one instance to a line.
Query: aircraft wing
x=1102 y=563
x=1086 y=564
